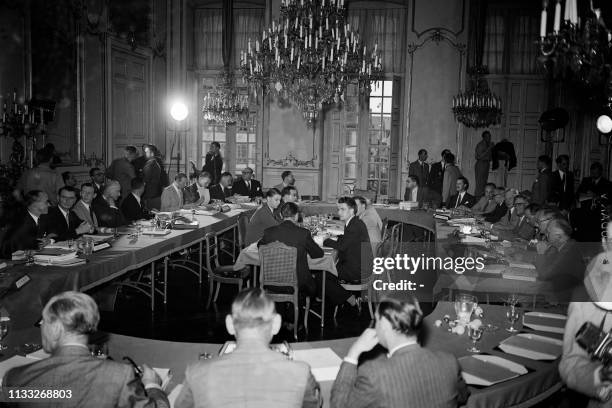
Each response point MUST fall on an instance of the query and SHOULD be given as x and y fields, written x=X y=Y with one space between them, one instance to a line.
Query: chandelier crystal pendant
x=309 y=56
x=224 y=104
x=477 y=107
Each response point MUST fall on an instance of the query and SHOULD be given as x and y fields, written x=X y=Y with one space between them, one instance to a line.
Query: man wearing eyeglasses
x=517 y=226
x=247 y=185
x=61 y=222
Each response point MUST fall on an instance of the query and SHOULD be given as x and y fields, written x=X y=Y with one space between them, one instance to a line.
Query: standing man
x=172 y=196
x=122 y=169
x=223 y=190
x=543 y=184
x=213 y=163
x=451 y=174
x=151 y=175
x=69 y=179
x=436 y=175
x=563 y=184
x=247 y=185
x=420 y=168
x=484 y=150
x=83 y=208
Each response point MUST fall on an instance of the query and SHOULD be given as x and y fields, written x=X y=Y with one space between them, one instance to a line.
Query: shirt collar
x=64 y=212
x=400 y=346
x=75 y=345
x=561 y=172
x=34 y=217
x=136 y=197
x=349 y=220
x=85 y=204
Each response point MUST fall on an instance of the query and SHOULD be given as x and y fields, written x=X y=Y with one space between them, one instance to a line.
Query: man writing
x=198 y=193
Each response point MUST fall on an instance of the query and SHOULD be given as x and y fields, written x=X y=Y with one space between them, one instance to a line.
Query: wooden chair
x=243 y=224
x=278 y=263
x=218 y=273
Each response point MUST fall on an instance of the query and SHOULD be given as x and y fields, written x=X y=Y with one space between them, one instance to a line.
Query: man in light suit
x=247 y=185
x=408 y=375
x=252 y=375
x=172 y=196
x=264 y=217
x=83 y=208
x=543 y=185
x=462 y=199
x=68 y=320
x=420 y=168
x=371 y=219
x=451 y=174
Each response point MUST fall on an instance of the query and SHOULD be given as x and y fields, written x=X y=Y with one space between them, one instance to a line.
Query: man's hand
x=542 y=247
x=365 y=342
x=149 y=376
x=84 y=228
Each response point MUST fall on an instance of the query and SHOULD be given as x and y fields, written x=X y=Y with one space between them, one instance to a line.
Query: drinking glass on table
x=475 y=333
x=512 y=314
x=464 y=306
x=4 y=328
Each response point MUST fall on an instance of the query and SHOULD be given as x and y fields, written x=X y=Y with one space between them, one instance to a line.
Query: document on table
x=174 y=394
x=324 y=362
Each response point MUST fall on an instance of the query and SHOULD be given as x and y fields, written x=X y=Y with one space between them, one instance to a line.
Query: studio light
x=179 y=111
x=604 y=124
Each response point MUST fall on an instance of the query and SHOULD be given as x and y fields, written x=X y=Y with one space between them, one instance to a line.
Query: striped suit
x=411 y=377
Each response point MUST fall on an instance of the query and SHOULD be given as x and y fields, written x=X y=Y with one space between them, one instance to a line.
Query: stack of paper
x=52 y=256
x=532 y=346
x=324 y=363
x=488 y=370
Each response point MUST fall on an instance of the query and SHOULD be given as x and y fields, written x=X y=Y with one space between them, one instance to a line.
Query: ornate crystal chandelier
x=225 y=104
x=477 y=107
x=579 y=50
x=309 y=56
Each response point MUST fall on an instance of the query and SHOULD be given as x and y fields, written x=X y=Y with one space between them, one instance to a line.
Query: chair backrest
x=243 y=224
x=278 y=264
x=212 y=251
x=395 y=237
x=369 y=194
x=383 y=229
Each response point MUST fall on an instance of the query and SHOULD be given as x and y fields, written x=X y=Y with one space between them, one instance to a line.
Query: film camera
x=596 y=342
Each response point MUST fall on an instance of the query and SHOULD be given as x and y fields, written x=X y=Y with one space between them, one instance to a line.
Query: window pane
x=350 y=170
x=220 y=135
x=377 y=88
x=372 y=171
x=252 y=137
x=374 y=137
x=241 y=137
x=373 y=154
x=386 y=121
x=384 y=172
x=350 y=154
x=386 y=105
x=388 y=91
x=383 y=154
x=375 y=121
x=376 y=105
x=351 y=137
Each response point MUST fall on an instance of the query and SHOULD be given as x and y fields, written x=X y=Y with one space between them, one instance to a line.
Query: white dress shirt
x=414 y=193
x=459 y=198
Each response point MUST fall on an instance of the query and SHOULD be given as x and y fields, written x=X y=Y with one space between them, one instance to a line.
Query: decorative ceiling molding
x=437 y=36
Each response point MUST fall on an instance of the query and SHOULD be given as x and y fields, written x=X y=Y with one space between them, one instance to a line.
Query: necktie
x=458 y=200
x=509 y=215
x=248 y=185
x=67 y=216
x=92 y=215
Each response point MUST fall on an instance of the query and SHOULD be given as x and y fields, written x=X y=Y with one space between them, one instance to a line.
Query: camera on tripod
x=596 y=342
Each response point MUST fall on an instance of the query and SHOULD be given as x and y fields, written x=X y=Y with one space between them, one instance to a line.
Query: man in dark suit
x=436 y=174
x=133 y=206
x=501 y=209
x=105 y=207
x=152 y=176
x=420 y=168
x=198 y=192
x=543 y=185
x=563 y=184
x=25 y=232
x=408 y=375
x=264 y=217
x=213 y=162
x=289 y=233
x=97 y=179
x=593 y=191
x=252 y=375
x=462 y=199
x=247 y=185
x=223 y=190
x=61 y=223
x=68 y=320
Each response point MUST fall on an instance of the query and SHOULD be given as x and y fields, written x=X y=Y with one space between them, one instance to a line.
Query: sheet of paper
x=174 y=394
x=324 y=362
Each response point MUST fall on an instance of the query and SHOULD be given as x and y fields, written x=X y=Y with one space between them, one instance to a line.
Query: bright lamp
x=179 y=111
x=604 y=124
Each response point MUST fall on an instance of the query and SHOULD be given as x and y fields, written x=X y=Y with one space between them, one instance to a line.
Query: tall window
x=246 y=138
x=379 y=137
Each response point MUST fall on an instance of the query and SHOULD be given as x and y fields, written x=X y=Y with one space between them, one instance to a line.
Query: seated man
x=198 y=193
x=264 y=217
x=288 y=180
x=172 y=196
x=288 y=195
x=68 y=320
x=105 y=206
x=247 y=185
x=487 y=203
x=252 y=375
x=560 y=260
x=511 y=219
x=543 y=218
x=462 y=199
x=60 y=222
x=289 y=233
x=421 y=194
x=408 y=375
x=26 y=231
x=83 y=208
x=500 y=210
x=367 y=213
x=223 y=190
x=354 y=251
x=133 y=206
x=518 y=225
x=97 y=180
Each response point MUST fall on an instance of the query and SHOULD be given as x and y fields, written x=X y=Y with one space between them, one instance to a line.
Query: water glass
x=88 y=247
x=475 y=333
x=99 y=350
x=512 y=314
x=464 y=306
x=4 y=328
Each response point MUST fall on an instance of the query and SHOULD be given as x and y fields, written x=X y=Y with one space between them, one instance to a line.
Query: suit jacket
x=54 y=222
x=412 y=377
x=563 y=190
x=217 y=192
x=484 y=206
x=251 y=376
x=151 y=174
x=280 y=187
x=214 y=166
x=542 y=187
x=139 y=164
x=21 y=234
x=354 y=258
x=449 y=185
x=133 y=211
x=171 y=200
x=191 y=195
x=373 y=223
x=110 y=217
x=564 y=268
x=497 y=214
x=524 y=229
x=262 y=218
x=123 y=171
x=84 y=214
x=424 y=195
x=436 y=177
x=98 y=190
x=422 y=172
x=92 y=381
x=240 y=188
x=468 y=200
x=509 y=221
x=294 y=236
